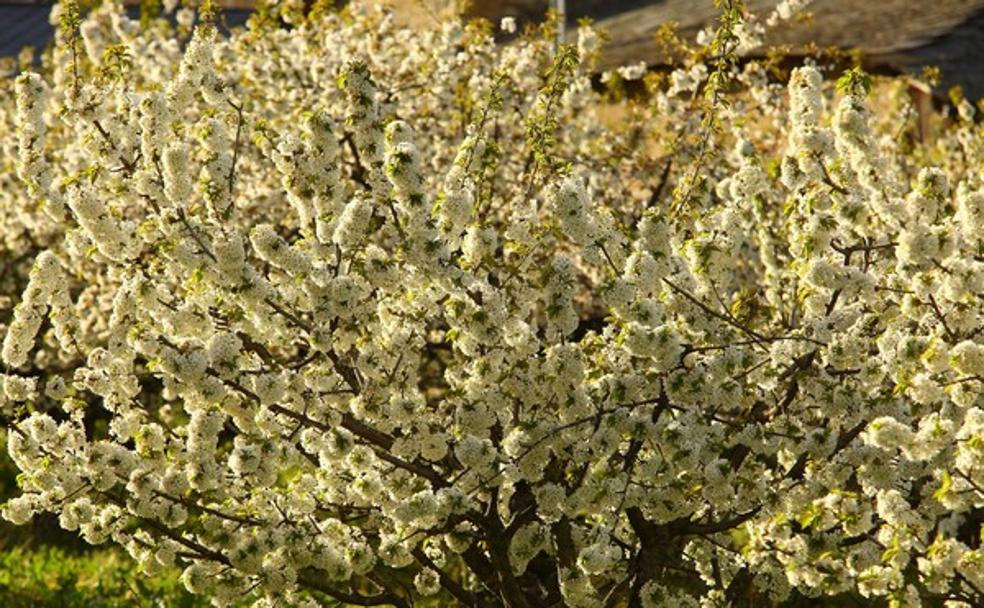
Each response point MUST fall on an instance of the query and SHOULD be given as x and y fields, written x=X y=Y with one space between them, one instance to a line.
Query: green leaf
x=945 y=486
x=854 y=82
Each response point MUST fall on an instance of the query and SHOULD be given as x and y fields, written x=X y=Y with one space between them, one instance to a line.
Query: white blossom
x=356 y=305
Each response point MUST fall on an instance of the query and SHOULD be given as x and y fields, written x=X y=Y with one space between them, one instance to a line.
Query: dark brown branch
x=663 y=179
x=452 y=586
x=235 y=149
x=319 y=583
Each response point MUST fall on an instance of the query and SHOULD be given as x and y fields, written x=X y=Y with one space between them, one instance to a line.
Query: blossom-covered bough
x=345 y=312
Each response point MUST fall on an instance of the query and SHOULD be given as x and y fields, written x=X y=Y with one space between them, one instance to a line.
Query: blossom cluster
x=347 y=312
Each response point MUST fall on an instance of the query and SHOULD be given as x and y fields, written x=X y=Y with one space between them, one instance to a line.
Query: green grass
x=50 y=576
x=43 y=566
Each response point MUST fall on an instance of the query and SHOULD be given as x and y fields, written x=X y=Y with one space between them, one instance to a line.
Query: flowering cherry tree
x=341 y=311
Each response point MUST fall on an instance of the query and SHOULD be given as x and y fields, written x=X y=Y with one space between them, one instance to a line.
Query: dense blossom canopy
x=339 y=310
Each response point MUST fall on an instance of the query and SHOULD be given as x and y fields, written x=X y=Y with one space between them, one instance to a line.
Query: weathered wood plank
x=876 y=28
x=900 y=35
x=893 y=35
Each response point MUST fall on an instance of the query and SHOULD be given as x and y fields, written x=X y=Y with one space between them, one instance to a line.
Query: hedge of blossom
x=330 y=310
